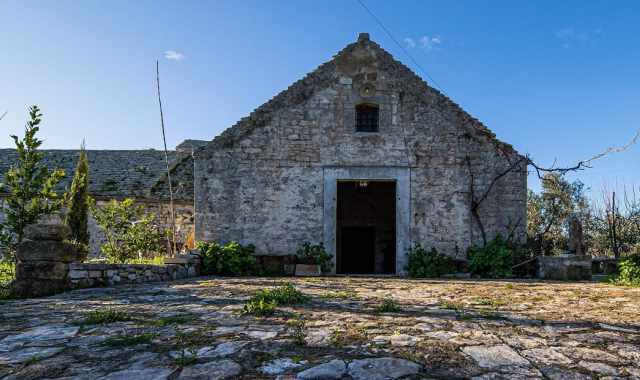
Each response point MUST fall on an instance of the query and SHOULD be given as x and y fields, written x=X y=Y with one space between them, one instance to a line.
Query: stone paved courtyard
x=444 y=329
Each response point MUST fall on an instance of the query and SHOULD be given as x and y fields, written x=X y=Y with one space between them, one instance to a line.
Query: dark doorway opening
x=366 y=227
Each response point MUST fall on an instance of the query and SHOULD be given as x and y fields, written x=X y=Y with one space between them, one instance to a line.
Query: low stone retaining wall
x=83 y=275
x=565 y=267
x=47 y=264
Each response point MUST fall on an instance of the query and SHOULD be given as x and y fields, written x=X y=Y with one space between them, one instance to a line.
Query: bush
x=494 y=260
x=423 y=263
x=130 y=233
x=7 y=274
x=232 y=259
x=314 y=254
x=629 y=271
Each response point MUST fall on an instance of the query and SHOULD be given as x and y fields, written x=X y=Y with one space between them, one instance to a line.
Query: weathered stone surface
x=44 y=250
x=53 y=230
x=41 y=338
x=334 y=369
x=217 y=370
x=223 y=349
x=382 y=368
x=278 y=366
x=139 y=374
x=495 y=356
x=565 y=267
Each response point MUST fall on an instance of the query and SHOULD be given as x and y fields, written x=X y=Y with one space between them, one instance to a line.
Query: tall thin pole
x=166 y=159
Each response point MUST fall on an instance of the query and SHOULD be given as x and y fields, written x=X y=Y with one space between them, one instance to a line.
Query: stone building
x=365 y=157
x=360 y=155
x=119 y=174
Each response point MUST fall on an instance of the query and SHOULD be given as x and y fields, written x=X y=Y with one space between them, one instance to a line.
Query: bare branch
x=3 y=115
x=584 y=164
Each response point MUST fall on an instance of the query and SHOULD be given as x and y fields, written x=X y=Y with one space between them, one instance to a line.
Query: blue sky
x=558 y=80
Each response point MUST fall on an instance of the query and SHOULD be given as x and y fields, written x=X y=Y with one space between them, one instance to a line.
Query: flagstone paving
x=443 y=329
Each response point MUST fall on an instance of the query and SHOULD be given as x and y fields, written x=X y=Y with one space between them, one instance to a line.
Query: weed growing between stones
x=187 y=347
x=388 y=305
x=298 y=330
x=105 y=316
x=129 y=340
x=265 y=301
x=458 y=307
x=341 y=294
x=351 y=334
x=259 y=307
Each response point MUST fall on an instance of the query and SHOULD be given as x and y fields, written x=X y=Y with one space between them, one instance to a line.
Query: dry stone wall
x=88 y=275
x=261 y=181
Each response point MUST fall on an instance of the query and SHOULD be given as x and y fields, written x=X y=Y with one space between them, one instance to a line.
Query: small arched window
x=367 y=118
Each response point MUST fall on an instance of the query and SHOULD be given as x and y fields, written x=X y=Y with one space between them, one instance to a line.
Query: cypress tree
x=78 y=201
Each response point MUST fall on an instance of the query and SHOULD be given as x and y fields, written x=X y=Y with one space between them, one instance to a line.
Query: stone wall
x=261 y=181
x=83 y=275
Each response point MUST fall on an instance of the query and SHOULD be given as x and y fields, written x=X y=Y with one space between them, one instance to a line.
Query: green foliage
x=314 y=254
x=30 y=186
x=341 y=294
x=231 y=259
x=629 y=271
x=130 y=233
x=129 y=340
x=78 y=202
x=424 y=264
x=105 y=316
x=493 y=260
x=298 y=328
x=388 y=305
x=259 y=307
x=7 y=274
x=548 y=211
x=265 y=301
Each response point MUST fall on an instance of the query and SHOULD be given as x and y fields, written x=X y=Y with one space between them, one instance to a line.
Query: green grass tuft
x=105 y=316
x=388 y=305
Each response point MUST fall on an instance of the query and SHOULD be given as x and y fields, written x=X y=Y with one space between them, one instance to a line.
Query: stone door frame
x=400 y=175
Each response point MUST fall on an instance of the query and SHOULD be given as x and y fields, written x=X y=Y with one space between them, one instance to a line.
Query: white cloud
x=424 y=42
x=173 y=55
x=410 y=42
x=569 y=36
x=429 y=43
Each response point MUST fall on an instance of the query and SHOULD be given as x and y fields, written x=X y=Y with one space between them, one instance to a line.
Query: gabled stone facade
x=272 y=179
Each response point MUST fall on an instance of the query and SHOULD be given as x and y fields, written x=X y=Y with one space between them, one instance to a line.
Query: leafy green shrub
x=629 y=271
x=423 y=263
x=314 y=254
x=7 y=274
x=232 y=259
x=494 y=260
x=130 y=232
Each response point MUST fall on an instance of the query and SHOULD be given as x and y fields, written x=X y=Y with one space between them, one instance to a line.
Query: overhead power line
x=415 y=62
